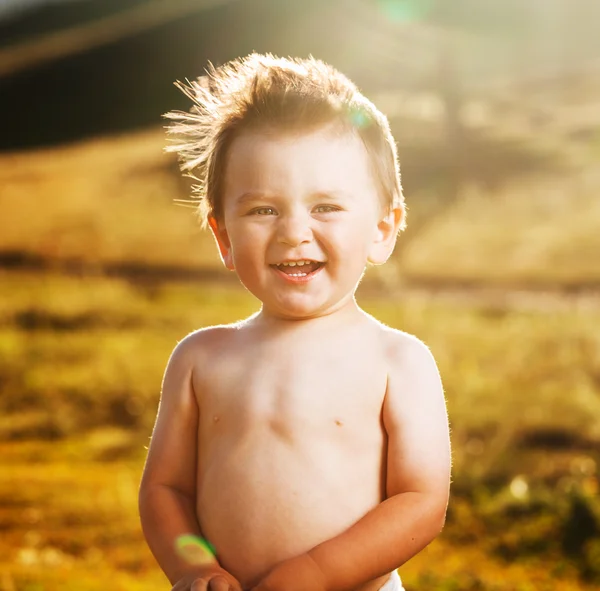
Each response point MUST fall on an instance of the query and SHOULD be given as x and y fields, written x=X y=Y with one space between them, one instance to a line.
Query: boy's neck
x=342 y=315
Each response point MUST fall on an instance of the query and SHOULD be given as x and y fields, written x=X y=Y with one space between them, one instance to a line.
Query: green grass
x=81 y=361
x=69 y=515
x=96 y=348
x=71 y=523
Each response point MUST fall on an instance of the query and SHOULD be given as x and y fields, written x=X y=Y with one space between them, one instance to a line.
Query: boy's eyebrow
x=334 y=194
x=249 y=196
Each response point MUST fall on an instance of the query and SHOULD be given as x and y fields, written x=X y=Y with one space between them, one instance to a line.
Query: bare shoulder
x=192 y=357
x=413 y=375
x=407 y=355
x=201 y=344
x=404 y=353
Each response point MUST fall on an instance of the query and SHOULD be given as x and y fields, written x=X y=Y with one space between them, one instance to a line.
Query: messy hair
x=264 y=92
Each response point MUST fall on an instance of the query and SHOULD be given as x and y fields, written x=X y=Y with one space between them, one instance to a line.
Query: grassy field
x=90 y=309
x=81 y=361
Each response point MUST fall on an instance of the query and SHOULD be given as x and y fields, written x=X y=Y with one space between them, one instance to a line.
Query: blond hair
x=285 y=94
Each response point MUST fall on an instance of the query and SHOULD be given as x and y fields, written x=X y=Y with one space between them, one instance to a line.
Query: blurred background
x=496 y=110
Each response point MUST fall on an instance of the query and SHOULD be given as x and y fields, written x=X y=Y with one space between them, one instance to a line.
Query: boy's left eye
x=325 y=208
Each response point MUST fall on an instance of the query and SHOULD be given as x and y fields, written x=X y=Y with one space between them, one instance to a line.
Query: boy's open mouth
x=299 y=268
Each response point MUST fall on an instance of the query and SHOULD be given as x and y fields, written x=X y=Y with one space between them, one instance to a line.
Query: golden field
x=102 y=275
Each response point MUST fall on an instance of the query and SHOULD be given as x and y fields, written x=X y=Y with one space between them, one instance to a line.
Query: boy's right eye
x=263 y=211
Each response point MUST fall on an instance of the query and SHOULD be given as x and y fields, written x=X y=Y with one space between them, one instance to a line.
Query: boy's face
x=297 y=198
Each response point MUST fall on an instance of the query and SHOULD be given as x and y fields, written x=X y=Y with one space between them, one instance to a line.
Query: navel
x=338 y=423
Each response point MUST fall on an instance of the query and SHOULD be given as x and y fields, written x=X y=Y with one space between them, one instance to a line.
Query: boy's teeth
x=305 y=267
x=294 y=263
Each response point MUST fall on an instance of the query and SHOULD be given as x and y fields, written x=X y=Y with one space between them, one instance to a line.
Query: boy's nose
x=294 y=229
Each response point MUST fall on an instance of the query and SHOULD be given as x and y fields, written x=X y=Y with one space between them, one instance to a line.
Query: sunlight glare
x=405 y=11
x=194 y=549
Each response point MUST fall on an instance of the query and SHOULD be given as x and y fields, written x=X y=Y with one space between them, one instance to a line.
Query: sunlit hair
x=264 y=92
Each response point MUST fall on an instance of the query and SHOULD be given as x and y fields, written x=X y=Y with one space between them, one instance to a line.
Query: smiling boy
x=309 y=443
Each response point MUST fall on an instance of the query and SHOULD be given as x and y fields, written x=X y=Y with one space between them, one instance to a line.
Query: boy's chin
x=300 y=306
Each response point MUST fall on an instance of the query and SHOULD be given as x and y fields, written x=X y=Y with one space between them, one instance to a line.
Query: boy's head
x=282 y=96
x=298 y=176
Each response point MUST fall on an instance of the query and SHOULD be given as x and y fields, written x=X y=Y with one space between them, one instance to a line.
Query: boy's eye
x=325 y=208
x=263 y=211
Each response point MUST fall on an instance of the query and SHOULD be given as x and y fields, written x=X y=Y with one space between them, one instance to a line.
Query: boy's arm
x=418 y=479
x=167 y=497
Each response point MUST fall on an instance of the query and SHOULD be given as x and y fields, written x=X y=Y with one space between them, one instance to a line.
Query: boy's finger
x=199 y=585
x=218 y=583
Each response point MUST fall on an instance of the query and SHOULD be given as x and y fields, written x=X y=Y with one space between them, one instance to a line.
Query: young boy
x=305 y=448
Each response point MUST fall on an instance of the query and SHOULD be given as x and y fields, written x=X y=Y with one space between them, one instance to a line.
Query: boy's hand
x=296 y=574
x=211 y=578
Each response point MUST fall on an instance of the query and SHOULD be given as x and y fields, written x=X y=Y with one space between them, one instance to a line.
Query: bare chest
x=295 y=389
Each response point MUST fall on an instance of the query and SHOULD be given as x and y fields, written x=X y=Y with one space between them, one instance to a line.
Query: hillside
x=111 y=202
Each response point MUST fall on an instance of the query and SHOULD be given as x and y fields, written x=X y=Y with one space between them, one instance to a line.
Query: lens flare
x=194 y=549
x=358 y=118
x=405 y=11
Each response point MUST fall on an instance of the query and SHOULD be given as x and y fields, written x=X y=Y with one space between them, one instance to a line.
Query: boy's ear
x=222 y=239
x=385 y=237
